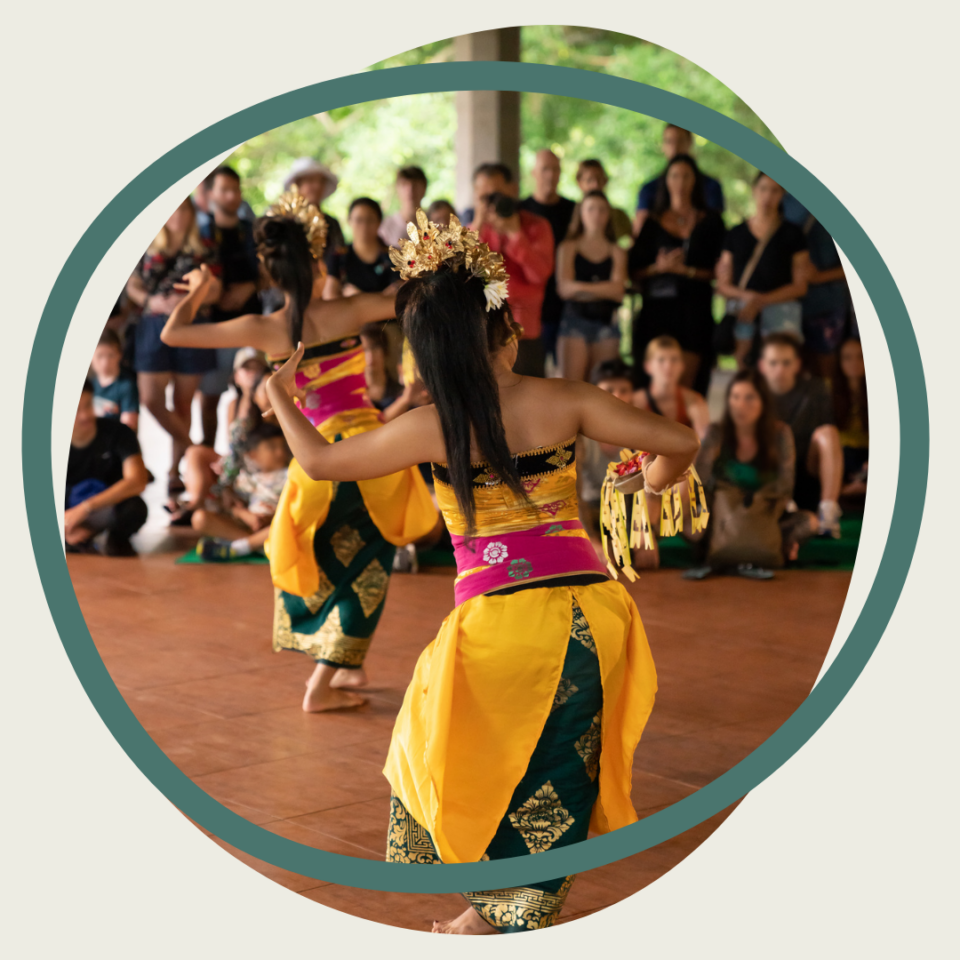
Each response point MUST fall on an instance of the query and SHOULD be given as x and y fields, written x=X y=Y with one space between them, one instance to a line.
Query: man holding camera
x=525 y=241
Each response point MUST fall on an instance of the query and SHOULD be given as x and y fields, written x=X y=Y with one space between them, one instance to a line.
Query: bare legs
x=208 y=418
x=573 y=358
x=322 y=696
x=153 y=395
x=825 y=460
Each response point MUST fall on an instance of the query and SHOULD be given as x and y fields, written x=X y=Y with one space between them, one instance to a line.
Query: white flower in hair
x=495 y=292
x=495 y=552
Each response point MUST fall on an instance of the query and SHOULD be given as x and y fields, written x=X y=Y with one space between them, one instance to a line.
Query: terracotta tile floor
x=189 y=647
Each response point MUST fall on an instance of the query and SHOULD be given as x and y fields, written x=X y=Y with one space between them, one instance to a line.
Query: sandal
x=175 y=485
x=750 y=572
x=697 y=573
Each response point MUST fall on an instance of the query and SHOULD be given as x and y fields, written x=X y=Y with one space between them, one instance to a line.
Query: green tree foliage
x=365 y=143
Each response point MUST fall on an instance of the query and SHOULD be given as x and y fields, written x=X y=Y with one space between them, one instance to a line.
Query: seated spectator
x=763 y=271
x=411 y=189
x=676 y=141
x=204 y=468
x=591 y=274
x=317 y=182
x=235 y=518
x=525 y=241
x=115 y=394
x=591 y=176
x=805 y=405
x=850 y=407
x=826 y=307
x=105 y=477
x=232 y=237
x=673 y=262
x=383 y=388
x=747 y=464
x=663 y=364
x=440 y=212
x=614 y=377
x=362 y=266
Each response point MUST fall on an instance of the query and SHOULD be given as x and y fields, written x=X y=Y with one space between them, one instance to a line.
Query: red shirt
x=528 y=259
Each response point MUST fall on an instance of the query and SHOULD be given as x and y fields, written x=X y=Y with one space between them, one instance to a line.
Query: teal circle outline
x=433 y=78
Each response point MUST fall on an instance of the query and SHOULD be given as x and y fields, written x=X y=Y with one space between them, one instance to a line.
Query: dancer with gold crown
x=331 y=543
x=517 y=732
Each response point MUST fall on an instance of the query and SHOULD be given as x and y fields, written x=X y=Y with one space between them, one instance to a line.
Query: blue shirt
x=821 y=298
x=712 y=193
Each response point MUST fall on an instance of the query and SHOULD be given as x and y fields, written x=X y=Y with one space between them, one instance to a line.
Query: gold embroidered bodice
x=549 y=476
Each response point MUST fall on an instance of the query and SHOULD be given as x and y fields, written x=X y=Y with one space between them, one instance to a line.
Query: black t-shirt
x=558 y=215
x=701 y=249
x=335 y=239
x=775 y=268
x=347 y=267
x=804 y=408
x=102 y=459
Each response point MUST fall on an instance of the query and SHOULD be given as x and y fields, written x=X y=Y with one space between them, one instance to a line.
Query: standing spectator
x=115 y=395
x=850 y=406
x=673 y=262
x=440 y=212
x=591 y=176
x=546 y=202
x=411 y=189
x=805 y=405
x=747 y=464
x=663 y=364
x=177 y=249
x=232 y=238
x=202 y=202
x=316 y=182
x=676 y=141
x=763 y=271
x=591 y=274
x=362 y=266
x=826 y=307
x=105 y=477
x=525 y=240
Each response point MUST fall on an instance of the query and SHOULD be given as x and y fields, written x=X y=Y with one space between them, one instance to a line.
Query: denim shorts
x=593 y=331
x=152 y=355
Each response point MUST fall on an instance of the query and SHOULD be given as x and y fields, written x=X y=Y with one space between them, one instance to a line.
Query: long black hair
x=661 y=203
x=285 y=251
x=766 y=428
x=452 y=336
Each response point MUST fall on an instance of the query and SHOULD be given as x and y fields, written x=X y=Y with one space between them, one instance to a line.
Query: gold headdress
x=430 y=245
x=622 y=531
x=293 y=204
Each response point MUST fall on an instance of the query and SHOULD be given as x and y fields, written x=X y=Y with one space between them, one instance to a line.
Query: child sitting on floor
x=115 y=395
x=235 y=519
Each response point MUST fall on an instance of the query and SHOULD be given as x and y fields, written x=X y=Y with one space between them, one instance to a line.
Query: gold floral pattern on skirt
x=565 y=690
x=316 y=600
x=588 y=746
x=407 y=841
x=542 y=820
x=346 y=543
x=330 y=642
x=524 y=908
x=580 y=629
x=371 y=586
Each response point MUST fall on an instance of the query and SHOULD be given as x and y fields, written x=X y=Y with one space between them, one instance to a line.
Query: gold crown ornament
x=295 y=205
x=431 y=245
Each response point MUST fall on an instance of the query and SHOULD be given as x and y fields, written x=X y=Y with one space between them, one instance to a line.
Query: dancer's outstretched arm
x=413 y=438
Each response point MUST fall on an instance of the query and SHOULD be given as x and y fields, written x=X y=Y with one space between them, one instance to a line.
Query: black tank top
x=586 y=271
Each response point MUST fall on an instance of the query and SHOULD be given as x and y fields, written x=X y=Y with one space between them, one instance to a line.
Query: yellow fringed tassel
x=618 y=541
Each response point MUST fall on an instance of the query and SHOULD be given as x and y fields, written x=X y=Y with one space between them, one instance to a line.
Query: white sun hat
x=306 y=166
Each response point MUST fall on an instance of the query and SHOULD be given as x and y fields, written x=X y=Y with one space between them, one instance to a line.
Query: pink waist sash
x=348 y=393
x=548 y=550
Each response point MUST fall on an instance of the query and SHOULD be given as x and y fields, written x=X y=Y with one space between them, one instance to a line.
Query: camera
x=503 y=205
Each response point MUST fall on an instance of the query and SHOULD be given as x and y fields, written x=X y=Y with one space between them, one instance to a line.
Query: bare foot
x=469 y=922
x=77 y=535
x=349 y=679
x=320 y=701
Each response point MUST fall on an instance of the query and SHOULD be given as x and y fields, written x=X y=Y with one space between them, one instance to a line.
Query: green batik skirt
x=551 y=805
x=335 y=624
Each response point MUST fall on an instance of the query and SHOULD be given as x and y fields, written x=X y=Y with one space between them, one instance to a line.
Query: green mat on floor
x=193 y=557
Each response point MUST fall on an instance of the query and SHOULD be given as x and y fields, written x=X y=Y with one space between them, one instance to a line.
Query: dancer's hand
x=198 y=279
x=283 y=383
